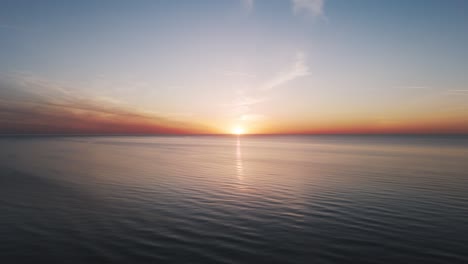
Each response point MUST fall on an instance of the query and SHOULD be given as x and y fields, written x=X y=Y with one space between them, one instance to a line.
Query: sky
x=262 y=66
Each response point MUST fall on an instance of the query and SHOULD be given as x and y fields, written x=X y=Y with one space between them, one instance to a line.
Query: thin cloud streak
x=242 y=107
x=298 y=69
x=48 y=110
x=461 y=91
x=248 y=5
x=415 y=87
x=313 y=7
x=458 y=92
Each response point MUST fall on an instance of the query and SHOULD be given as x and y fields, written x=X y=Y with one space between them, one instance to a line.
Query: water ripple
x=229 y=200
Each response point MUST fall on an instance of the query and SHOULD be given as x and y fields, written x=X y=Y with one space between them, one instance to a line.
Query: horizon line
x=231 y=135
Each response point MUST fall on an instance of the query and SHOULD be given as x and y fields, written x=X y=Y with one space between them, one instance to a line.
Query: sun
x=238 y=130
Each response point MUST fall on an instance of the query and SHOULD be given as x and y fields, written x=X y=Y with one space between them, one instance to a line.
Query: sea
x=234 y=199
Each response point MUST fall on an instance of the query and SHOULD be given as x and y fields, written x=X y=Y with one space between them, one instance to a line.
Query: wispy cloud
x=243 y=107
x=248 y=5
x=313 y=7
x=298 y=69
x=458 y=92
x=243 y=104
x=33 y=105
x=414 y=87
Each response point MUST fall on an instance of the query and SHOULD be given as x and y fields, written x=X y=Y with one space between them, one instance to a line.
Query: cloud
x=242 y=105
x=248 y=5
x=458 y=92
x=414 y=87
x=298 y=69
x=30 y=105
x=313 y=7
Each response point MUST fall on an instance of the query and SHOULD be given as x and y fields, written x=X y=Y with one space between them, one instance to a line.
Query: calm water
x=296 y=199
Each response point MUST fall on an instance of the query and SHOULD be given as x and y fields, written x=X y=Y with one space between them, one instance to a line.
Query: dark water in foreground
x=218 y=199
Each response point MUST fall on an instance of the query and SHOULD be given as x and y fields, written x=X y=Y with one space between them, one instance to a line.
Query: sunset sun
x=246 y=131
x=238 y=130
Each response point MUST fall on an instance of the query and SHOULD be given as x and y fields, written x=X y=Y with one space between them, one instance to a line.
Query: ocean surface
x=252 y=199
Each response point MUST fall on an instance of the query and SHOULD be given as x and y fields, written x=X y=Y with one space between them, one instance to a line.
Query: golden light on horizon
x=238 y=130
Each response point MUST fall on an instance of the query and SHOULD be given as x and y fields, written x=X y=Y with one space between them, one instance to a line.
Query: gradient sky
x=269 y=66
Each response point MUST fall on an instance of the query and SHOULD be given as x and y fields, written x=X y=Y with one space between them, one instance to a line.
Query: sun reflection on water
x=239 y=167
